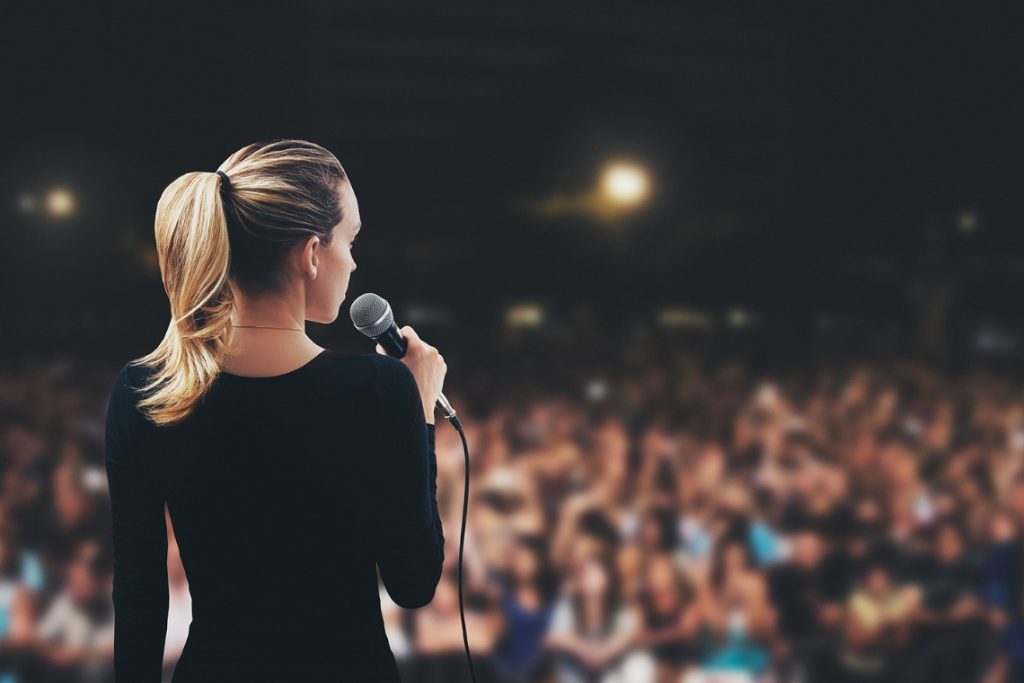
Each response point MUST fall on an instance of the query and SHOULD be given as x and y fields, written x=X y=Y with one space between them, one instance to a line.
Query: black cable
x=462 y=539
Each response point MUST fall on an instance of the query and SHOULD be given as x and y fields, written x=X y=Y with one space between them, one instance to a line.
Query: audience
x=686 y=523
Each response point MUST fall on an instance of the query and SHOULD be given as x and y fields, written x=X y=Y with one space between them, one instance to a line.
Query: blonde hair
x=213 y=236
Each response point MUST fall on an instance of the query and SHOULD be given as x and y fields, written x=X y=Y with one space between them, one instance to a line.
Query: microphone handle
x=394 y=344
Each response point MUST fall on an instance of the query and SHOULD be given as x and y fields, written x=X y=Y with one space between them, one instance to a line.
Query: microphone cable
x=462 y=539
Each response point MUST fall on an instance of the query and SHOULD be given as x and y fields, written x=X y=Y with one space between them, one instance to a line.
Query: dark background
x=849 y=177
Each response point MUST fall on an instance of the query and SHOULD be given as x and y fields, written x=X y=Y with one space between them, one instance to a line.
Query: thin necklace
x=267 y=327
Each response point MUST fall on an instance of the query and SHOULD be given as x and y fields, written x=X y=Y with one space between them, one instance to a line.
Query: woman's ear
x=311 y=256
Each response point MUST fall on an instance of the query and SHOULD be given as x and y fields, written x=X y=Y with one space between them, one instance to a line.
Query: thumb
x=380 y=349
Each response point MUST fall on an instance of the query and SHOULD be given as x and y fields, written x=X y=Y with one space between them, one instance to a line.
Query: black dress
x=285 y=494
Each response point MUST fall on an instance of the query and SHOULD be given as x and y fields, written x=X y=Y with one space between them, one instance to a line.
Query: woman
x=670 y=618
x=527 y=589
x=593 y=630
x=878 y=625
x=738 y=620
x=289 y=470
x=441 y=656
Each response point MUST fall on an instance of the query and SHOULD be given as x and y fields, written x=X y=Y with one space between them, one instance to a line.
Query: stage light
x=620 y=187
x=524 y=315
x=684 y=318
x=60 y=203
x=625 y=184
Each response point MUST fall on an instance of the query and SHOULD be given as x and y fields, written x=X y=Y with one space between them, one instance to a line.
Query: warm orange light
x=625 y=184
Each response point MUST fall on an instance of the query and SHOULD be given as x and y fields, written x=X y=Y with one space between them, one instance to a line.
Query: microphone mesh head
x=371 y=314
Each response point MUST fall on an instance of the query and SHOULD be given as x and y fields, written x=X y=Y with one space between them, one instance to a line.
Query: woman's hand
x=428 y=367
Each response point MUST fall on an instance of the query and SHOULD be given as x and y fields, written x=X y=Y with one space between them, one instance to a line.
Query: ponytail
x=195 y=258
x=215 y=234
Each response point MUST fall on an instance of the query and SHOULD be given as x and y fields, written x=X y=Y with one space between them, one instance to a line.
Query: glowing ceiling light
x=625 y=184
x=524 y=315
x=60 y=203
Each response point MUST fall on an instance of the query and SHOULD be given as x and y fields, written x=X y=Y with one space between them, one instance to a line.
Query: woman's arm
x=140 y=591
x=762 y=614
x=561 y=633
x=566 y=526
x=683 y=628
x=624 y=637
x=407 y=533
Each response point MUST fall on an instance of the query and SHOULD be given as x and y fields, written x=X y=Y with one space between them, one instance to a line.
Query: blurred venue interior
x=724 y=291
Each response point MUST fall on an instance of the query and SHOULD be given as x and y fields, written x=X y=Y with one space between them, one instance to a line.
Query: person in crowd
x=737 y=618
x=879 y=617
x=670 y=618
x=20 y=582
x=1004 y=594
x=76 y=515
x=952 y=624
x=438 y=640
x=527 y=591
x=592 y=630
x=75 y=636
x=808 y=615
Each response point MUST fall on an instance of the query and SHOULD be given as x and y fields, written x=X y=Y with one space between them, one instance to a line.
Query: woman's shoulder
x=374 y=369
x=383 y=379
x=390 y=375
x=130 y=380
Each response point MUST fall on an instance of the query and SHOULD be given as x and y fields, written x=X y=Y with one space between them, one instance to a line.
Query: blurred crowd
x=674 y=523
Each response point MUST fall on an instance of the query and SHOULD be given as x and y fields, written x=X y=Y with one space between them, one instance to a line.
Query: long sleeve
x=140 y=589
x=409 y=540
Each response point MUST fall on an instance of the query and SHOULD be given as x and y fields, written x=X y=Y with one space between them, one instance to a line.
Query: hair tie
x=225 y=182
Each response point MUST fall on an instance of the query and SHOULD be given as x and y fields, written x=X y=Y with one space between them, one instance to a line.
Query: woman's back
x=284 y=493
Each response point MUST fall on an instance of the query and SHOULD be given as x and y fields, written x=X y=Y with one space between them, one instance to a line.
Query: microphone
x=371 y=315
